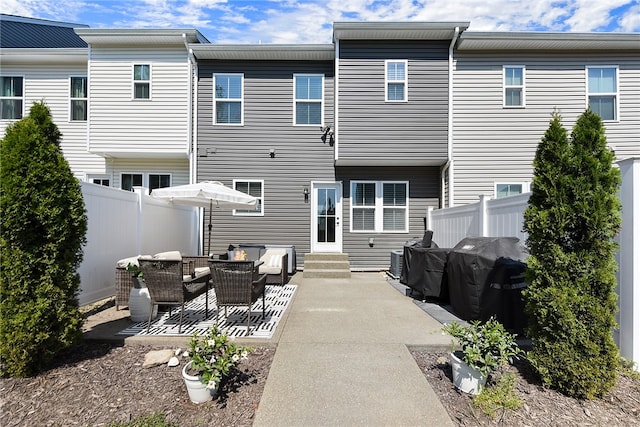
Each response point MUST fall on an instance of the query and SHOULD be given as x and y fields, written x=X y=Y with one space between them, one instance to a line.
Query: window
x=130 y=180
x=308 y=99
x=509 y=189
x=11 y=98
x=141 y=81
x=514 y=86
x=252 y=188
x=395 y=80
x=159 y=181
x=228 y=97
x=99 y=179
x=379 y=206
x=78 y=99
x=602 y=91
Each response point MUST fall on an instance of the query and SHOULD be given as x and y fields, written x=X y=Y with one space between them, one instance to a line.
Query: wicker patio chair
x=169 y=286
x=275 y=263
x=237 y=284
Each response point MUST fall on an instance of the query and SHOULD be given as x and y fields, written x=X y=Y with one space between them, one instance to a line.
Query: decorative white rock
x=173 y=361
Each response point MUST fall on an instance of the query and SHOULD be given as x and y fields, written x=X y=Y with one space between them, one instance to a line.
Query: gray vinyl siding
x=424 y=191
x=373 y=131
x=495 y=144
x=242 y=152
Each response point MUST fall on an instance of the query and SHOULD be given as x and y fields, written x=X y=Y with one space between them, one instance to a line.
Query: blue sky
x=309 y=21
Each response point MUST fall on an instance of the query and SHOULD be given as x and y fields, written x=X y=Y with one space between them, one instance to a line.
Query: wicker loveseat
x=124 y=280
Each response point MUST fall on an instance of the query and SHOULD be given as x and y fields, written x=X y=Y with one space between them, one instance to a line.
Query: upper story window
x=78 y=99
x=602 y=91
x=253 y=188
x=514 y=86
x=11 y=98
x=395 y=81
x=141 y=81
x=228 y=99
x=308 y=99
x=379 y=206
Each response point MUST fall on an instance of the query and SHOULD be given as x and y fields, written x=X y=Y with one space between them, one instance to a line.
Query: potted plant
x=139 y=298
x=211 y=358
x=484 y=348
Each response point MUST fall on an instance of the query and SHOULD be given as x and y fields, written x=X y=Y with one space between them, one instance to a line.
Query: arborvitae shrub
x=572 y=219
x=43 y=229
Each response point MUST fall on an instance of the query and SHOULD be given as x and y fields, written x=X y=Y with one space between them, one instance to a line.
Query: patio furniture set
x=173 y=279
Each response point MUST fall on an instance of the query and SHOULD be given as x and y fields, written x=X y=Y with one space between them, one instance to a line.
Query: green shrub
x=43 y=230
x=153 y=420
x=499 y=396
x=572 y=218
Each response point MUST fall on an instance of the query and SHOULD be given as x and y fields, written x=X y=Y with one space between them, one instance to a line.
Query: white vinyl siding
x=78 y=99
x=228 y=95
x=253 y=188
x=141 y=81
x=514 y=86
x=308 y=99
x=381 y=207
x=11 y=97
x=602 y=91
x=395 y=84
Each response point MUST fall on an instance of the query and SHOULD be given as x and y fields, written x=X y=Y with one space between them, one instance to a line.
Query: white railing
x=122 y=224
x=504 y=217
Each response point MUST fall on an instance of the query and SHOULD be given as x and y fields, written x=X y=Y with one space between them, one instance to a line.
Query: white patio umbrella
x=206 y=194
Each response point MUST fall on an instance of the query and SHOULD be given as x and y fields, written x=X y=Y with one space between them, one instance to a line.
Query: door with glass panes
x=326 y=224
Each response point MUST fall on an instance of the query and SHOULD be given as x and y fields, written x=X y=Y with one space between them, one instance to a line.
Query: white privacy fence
x=122 y=224
x=504 y=218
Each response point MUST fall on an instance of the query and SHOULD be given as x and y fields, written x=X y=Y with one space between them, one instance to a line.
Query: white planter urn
x=139 y=301
x=198 y=392
x=466 y=378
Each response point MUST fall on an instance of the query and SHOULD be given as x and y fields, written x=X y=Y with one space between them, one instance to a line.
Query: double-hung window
x=253 y=188
x=159 y=180
x=149 y=180
x=130 y=180
x=308 y=99
x=395 y=87
x=228 y=99
x=141 y=81
x=78 y=99
x=11 y=98
x=602 y=91
x=514 y=89
x=379 y=206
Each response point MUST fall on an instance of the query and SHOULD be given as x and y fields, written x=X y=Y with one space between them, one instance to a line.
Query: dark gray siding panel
x=242 y=152
x=424 y=190
x=370 y=128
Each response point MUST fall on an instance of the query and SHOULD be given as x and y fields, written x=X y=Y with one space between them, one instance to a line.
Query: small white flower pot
x=466 y=378
x=198 y=392
x=139 y=302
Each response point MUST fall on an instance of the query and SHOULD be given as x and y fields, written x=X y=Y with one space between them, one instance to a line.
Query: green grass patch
x=153 y=420
x=499 y=397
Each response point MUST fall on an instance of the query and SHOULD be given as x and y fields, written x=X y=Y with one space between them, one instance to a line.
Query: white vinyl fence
x=504 y=218
x=123 y=224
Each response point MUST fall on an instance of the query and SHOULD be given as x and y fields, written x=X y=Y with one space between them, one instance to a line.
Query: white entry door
x=326 y=224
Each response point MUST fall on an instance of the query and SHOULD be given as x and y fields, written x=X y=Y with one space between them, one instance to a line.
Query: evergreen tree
x=572 y=219
x=43 y=229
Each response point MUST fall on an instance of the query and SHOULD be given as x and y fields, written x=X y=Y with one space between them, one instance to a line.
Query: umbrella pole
x=210 y=226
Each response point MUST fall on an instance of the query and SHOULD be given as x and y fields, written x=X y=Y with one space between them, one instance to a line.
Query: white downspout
x=191 y=144
x=449 y=165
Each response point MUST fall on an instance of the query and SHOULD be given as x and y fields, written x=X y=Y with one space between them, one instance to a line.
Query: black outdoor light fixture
x=272 y=152
x=327 y=131
x=305 y=191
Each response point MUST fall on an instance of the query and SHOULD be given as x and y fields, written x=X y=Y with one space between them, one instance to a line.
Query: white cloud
x=630 y=21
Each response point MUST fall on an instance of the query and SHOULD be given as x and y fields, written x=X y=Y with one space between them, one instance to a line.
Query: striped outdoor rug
x=277 y=299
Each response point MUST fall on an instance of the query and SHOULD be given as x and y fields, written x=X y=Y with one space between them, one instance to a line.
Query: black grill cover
x=486 y=278
x=424 y=269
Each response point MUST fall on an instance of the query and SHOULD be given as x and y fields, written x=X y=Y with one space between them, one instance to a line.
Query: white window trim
x=86 y=99
x=145 y=177
x=261 y=213
x=378 y=208
x=295 y=100
x=405 y=81
x=526 y=186
x=616 y=94
x=523 y=86
x=241 y=100
x=89 y=177
x=134 y=81
x=24 y=90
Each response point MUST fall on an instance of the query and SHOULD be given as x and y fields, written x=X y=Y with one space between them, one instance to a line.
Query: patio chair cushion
x=272 y=261
x=122 y=263
x=168 y=256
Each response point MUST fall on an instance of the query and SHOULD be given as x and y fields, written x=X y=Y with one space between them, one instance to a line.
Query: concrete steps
x=327 y=266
